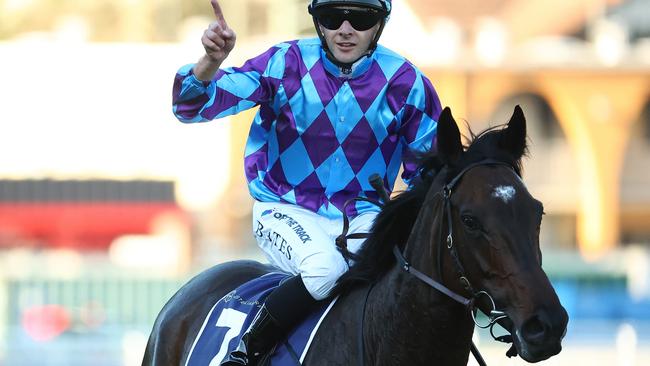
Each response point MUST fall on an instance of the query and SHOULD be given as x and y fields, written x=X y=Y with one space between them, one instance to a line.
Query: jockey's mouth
x=346 y=45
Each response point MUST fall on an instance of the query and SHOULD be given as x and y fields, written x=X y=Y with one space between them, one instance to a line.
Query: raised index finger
x=218 y=14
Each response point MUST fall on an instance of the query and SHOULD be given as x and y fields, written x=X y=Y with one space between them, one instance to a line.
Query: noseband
x=470 y=303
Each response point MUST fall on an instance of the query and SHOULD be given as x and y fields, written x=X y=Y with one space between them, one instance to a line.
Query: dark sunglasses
x=361 y=20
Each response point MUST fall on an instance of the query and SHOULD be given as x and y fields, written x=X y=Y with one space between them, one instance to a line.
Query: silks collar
x=356 y=69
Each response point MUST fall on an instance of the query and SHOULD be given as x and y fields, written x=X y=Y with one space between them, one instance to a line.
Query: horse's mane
x=394 y=223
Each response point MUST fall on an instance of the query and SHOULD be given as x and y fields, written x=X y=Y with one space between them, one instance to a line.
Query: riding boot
x=287 y=305
x=260 y=337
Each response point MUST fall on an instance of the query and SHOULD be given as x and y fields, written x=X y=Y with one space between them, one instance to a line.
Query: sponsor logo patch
x=294 y=225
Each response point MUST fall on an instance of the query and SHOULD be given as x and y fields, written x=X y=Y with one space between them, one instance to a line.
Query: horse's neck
x=410 y=323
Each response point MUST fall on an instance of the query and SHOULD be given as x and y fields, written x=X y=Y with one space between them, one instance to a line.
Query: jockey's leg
x=295 y=240
x=284 y=308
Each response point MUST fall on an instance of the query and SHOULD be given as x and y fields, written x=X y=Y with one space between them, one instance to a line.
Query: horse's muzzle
x=540 y=336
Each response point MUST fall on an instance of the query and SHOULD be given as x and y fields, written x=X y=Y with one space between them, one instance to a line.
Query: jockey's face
x=346 y=43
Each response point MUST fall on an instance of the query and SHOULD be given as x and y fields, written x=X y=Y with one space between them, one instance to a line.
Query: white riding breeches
x=302 y=242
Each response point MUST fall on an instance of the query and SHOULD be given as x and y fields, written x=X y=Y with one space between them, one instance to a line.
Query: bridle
x=470 y=303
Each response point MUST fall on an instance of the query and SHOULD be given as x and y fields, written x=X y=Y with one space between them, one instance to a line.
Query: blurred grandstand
x=107 y=204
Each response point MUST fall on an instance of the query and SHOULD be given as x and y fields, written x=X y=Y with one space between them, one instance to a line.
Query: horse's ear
x=449 y=145
x=514 y=136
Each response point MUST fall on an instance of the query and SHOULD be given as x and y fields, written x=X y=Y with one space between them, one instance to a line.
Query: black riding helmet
x=383 y=7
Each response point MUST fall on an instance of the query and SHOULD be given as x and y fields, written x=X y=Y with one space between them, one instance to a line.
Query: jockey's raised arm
x=218 y=40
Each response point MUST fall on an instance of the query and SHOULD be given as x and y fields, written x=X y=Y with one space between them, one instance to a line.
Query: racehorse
x=464 y=236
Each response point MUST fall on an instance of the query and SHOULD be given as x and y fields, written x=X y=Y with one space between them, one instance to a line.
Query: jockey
x=333 y=110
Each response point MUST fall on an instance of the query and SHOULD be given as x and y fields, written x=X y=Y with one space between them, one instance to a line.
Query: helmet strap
x=373 y=44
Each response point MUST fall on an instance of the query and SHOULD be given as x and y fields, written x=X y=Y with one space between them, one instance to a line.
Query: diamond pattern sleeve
x=231 y=91
x=419 y=118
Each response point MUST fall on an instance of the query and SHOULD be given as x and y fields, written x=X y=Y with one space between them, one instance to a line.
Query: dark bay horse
x=467 y=226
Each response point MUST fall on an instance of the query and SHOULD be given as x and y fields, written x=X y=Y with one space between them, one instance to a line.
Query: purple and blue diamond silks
x=318 y=136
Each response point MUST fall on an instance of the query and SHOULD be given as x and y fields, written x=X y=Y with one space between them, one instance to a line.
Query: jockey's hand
x=218 y=40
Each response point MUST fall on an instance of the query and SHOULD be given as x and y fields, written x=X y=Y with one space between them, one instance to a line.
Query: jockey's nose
x=346 y=27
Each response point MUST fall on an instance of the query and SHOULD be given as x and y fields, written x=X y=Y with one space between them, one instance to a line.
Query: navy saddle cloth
x=231 y=316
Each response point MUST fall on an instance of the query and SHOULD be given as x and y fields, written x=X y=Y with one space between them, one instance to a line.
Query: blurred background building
x=107 y=203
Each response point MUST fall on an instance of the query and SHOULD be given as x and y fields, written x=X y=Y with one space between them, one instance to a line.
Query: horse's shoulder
x=344 y=318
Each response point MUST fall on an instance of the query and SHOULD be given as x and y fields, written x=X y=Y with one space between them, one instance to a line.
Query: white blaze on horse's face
x=505 y=193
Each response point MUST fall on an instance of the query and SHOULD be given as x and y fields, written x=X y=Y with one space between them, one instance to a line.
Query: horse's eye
x=470 y=222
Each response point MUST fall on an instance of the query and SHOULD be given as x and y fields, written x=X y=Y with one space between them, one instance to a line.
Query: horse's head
x=495 y=224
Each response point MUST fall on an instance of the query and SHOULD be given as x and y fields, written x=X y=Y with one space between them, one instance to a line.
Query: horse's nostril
x=534 y=330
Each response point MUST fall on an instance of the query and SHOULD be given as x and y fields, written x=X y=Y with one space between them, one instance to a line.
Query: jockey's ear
x=513 y=138
x=449 y=146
